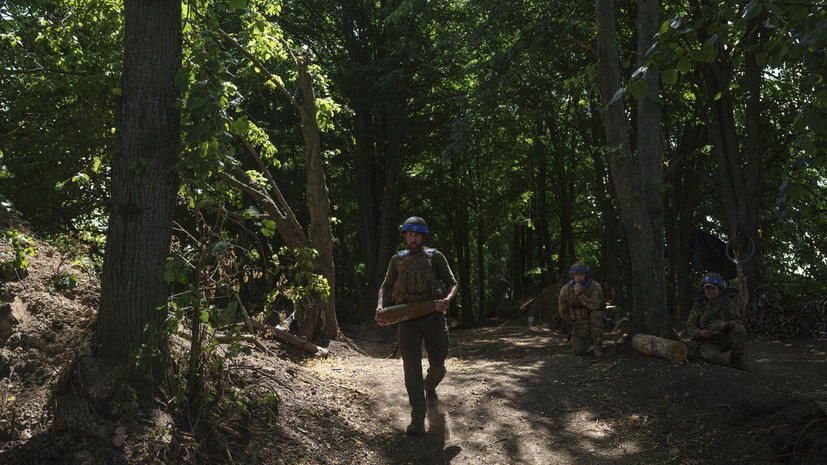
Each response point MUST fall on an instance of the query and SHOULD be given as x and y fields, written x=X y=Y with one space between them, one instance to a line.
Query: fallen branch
x=307 y=346
x=250 y=339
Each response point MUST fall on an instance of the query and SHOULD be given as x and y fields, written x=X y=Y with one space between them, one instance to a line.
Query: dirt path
x=515 y=395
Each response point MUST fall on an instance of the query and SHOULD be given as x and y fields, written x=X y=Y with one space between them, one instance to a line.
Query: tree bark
x=144 y=189
x=739 y=172
x=647 y=277
x=650 y=150
x=610 y=252
x=318 y=198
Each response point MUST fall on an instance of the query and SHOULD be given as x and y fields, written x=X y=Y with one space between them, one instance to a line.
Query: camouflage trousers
x=588 y=333
x=711 y=350
x=433 y=330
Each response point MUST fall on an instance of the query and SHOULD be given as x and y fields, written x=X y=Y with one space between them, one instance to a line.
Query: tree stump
x=654 y=346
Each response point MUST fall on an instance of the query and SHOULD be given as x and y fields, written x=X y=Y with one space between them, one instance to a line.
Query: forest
x=210 y=160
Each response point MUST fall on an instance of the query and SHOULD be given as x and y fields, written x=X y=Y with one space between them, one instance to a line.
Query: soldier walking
x=415 y=274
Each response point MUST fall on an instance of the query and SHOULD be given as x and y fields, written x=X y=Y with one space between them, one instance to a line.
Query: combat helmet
x=712 y=279
x=579 y=267
x=415 y=224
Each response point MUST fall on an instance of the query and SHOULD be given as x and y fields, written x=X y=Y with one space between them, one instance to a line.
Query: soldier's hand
x=578 y=288
x=378 y=320
x=443 y=305
x=718 y=327
x=705 y=333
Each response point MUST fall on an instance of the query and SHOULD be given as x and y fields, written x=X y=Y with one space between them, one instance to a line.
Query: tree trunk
x=685 y=195
x=144 y=189
x=739 y=174
x=647 y=277
x=610 y=252
x=650 y=152
x=318 y=199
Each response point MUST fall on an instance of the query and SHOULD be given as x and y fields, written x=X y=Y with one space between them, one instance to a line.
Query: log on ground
x=654 y=346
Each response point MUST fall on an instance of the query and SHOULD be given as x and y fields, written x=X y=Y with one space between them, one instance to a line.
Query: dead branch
x=284 y=336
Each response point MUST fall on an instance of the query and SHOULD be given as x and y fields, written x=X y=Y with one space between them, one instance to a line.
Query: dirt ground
x=513 y=394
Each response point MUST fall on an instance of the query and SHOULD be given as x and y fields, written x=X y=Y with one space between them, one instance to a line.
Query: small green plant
x=63 y=282
x=22 y=247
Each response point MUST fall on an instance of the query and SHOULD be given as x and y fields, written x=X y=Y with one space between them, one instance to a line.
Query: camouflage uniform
x=705 y=315
x=585 y=312
x=414 y=277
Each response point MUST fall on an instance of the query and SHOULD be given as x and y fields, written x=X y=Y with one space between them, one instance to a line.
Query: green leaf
x=753 y=9
x=638 y=71
x=638 y=88
x=617 y=96
x=684 y=65
x=241 y=126
x=204 y=317
x=238 y=3
x=80 y=177
x=229 y=311
x=219 y=248
x=670 y=76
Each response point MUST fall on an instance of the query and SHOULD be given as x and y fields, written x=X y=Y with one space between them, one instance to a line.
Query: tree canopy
x=485 y=118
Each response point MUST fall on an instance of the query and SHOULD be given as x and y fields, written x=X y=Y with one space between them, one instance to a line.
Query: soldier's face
x=579 y=277
x=414 y=240
x=711 y=292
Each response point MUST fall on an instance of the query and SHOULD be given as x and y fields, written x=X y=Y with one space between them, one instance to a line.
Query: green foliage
x=16 y=260
x=61 y=62
x=63 y=282
x=476 y=115
x=302 y=281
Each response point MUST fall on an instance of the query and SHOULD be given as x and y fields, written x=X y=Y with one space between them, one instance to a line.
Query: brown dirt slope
x=513 y=395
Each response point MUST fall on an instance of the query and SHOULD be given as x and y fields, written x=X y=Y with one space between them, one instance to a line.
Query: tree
x=318 y=201
x=144 y=190
x=631 y=176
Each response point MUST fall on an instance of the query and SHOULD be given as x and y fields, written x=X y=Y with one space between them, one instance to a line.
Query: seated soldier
x=716 y=325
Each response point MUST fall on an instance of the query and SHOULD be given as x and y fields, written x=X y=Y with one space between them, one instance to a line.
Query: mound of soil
x=513 y=395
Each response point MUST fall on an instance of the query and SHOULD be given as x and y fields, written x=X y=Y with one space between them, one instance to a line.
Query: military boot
x=417 y=425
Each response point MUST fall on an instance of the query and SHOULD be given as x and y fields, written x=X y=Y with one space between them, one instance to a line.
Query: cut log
x=654 y=346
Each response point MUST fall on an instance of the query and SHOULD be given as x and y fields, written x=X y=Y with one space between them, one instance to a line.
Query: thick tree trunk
x=610 y=252
x=144 y=189
x=647 y=277
x=650 y=150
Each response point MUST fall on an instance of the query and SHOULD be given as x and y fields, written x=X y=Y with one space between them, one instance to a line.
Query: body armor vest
x=416 y=279
x=578 y=312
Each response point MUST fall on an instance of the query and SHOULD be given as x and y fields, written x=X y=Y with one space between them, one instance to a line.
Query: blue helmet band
x=712 y=280
x=415 y=228
x=579 y=270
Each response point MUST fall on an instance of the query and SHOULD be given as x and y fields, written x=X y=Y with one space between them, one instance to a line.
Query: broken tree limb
x=284 y=336
x=654 y=346
x=251 y=339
